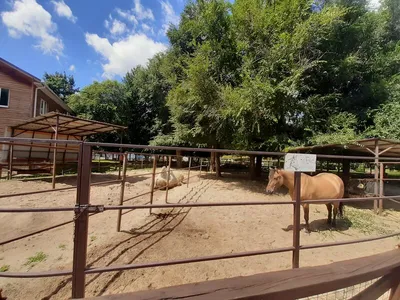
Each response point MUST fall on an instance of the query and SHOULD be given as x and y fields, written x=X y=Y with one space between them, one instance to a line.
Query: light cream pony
x=321 y=186
x=162 y=179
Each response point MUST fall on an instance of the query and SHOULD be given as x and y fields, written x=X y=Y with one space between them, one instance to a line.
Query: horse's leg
x=306 y=209
x=335 y=211
x=329 y=207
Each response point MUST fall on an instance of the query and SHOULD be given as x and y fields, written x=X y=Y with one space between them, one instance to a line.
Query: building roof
x=38 y=83
x=67 y=125
x=384 y=147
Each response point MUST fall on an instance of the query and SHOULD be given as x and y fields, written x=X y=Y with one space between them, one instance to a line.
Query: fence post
x=376 y=175
x=296 y=220
x=10 y=160
x=381 y=193
x=169 y=174
x=153 y=176
x=190 y=164
x=201 y=165
x=81 y=220
x=53 y=180
x=121 y=196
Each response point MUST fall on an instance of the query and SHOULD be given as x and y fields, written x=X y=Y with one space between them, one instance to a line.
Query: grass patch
x=4 y=268
x=365 y=221
x=62 y=246
x=33 y=260
x=93 y=238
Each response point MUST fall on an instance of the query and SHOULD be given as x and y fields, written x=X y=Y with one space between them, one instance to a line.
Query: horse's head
x=275 y=180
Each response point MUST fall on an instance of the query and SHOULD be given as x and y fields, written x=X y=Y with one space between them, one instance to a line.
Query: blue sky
x=91 y=39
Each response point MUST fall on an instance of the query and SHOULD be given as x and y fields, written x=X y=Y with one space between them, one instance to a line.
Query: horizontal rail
x=350 y=199
x=117 y=207
x=324 y=245
x=34 y=274
x=298 y=283
x=175 y=205
x=189 y=149
x=186 y=261
x=38 y=209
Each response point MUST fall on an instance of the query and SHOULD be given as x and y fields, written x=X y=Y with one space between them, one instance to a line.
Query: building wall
x=20 y=105
x=51 y=104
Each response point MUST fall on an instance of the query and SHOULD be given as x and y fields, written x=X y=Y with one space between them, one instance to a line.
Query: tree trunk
x=179 y=159
x=217 y=157
x=258 y=165
x=252 y=167
x=212 y=162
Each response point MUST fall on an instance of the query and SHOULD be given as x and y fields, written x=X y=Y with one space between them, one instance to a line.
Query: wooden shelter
x=375 y=147
x=29 y=158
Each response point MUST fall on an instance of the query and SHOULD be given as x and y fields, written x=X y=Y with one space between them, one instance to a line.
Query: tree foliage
x=63 y=85
x=261 y=74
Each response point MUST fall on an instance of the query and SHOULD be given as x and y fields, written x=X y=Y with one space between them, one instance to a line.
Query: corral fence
x=83 y=209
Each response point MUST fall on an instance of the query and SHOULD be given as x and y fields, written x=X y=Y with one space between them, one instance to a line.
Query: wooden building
x=23 y=96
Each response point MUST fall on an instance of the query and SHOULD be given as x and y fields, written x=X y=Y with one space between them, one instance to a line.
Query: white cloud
x=147 y=28
x=141 y=12
x=127 y=15
x=29 y=18
x=63 y=10
x=170 y=17
x=72 y=68
x=118 y=27
x=123 y=55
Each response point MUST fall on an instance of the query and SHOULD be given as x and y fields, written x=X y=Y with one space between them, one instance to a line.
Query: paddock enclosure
x=97 y=234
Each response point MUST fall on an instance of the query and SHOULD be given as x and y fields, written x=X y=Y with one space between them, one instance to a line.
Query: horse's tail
x=341 y=205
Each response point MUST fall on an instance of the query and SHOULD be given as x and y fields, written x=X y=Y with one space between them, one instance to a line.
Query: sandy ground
x=173 y=234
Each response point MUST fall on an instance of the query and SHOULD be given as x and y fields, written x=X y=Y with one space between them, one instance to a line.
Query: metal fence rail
x=83 y=209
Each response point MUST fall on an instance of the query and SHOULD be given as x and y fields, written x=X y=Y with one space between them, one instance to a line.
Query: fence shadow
x=149 y=234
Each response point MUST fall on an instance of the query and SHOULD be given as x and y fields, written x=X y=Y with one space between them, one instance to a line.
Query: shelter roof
x=67 y=125
x=384 y=147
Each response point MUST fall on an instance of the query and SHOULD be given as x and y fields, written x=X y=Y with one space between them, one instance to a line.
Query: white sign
x=300 y=162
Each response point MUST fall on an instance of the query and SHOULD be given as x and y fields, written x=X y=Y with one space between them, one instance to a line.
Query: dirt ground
x=173 y=234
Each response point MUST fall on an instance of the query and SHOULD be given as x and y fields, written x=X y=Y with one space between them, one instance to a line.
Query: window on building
x=4 y=97
x=43 y=107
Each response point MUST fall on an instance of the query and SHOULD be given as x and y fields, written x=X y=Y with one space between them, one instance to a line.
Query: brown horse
x=321 y=186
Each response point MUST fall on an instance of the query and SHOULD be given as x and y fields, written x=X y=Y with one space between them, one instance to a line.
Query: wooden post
x=252 y=167
x=169 y=173
x=98 y=163
x=81 y=221
x=120 y=165
x=381 y=192
x=395 y=292
x=259 y=165
x=121 y=196
x=10 y=160
x=190 y=164
x=296 y=221
x=153 y=176
x=201 y=165
x=376 y=175
x=346 y=176
x=53 y=180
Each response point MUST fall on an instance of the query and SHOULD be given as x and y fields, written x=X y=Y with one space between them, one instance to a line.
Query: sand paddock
x=170 y=234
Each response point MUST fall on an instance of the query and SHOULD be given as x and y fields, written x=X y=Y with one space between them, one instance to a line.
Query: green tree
x=146 y=113
x=102 y=101
x=63 y=85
